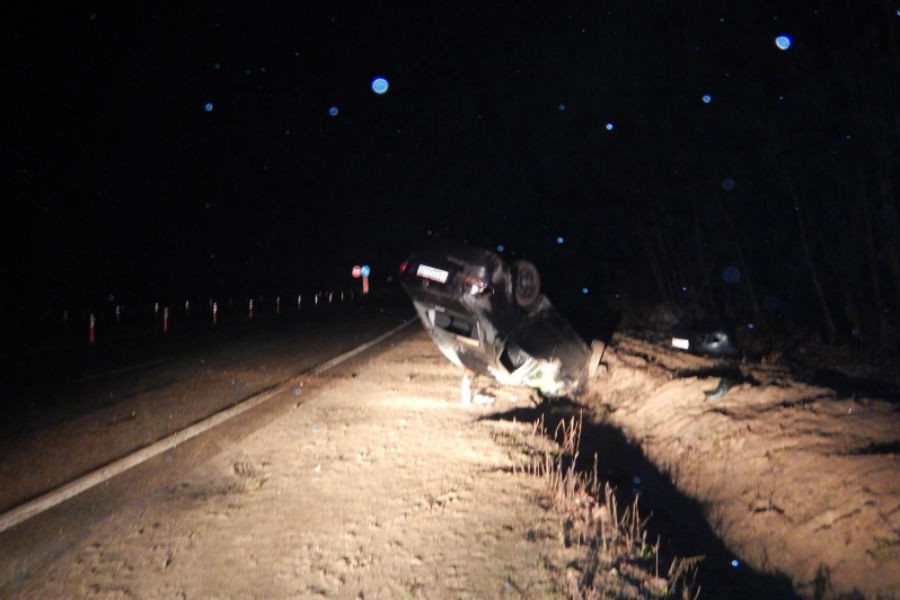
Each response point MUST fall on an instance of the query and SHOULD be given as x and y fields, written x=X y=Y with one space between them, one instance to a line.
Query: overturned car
x=492 y=319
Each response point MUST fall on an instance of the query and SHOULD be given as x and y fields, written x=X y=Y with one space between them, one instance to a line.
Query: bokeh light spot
x=783 y=42
x=609 y=126
x=731 y=274
x=333 y=111
x=585 y=291
x=500 y=247
x=380 y=85
x=706 y=98
x=208 y=107
x=562 y=107
x=560 y=240
x=728 y=184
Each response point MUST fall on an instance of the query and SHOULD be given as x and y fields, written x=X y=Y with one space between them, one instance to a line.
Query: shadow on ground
x=844 y=385
x=677 y=520
x=849 y=385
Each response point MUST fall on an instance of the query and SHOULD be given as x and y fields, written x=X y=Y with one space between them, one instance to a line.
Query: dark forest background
x=774 y=204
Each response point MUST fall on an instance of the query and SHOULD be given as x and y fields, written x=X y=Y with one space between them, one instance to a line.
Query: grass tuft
x=618 y=560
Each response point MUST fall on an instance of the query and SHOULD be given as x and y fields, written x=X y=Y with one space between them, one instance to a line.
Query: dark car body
x=490 y=318
x=706 y=338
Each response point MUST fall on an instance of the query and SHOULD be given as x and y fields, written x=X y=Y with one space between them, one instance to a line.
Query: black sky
x=494 y=130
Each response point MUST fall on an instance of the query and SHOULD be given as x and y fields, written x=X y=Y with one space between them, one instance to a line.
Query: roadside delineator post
x=166 y=320
x=92 y=327
x=215 y=312
x=277 y=305
x=299 y=301
x=118 y=314
x=250 y=309
x=362 y=272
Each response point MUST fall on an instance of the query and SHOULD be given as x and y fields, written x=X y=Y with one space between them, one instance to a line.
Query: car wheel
x=527 y=283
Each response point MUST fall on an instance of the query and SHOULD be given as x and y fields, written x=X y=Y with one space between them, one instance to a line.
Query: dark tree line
x=774 y=203
x=812 y=223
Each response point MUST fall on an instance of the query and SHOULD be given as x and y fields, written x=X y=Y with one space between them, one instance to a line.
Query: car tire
x=526 y=283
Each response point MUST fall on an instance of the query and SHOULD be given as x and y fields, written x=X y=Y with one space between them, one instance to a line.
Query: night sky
x=650 y=150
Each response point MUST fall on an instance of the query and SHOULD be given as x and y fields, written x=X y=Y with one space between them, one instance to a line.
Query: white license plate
x=681 y=343
x=432 y=273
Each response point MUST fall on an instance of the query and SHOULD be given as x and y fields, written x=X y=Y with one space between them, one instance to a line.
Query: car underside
x=491 y=319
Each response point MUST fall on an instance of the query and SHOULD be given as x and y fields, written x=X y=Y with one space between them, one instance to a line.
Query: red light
x=475 y=284
x=403 y=266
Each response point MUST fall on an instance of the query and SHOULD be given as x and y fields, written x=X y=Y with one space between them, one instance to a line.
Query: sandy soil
x=795 y=478
x=377 y=485
x=373 y=481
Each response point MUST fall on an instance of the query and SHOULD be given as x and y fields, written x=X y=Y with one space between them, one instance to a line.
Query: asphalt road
x=62 y=425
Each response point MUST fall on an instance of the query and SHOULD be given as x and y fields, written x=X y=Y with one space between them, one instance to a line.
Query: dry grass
x=618 y=559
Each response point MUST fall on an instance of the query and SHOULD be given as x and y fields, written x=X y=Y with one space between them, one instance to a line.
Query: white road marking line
x=351 y=353
x=69 y=490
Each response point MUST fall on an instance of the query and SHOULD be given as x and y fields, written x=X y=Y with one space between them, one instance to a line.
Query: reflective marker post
x=362 y=271
x=365 y=278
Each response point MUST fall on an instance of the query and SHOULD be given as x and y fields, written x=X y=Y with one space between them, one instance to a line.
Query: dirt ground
x=377 y=483
x=374 y=481
x=795 y=478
